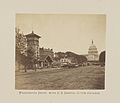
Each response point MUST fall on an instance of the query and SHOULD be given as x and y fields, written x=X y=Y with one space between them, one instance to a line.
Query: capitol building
x=92 y=53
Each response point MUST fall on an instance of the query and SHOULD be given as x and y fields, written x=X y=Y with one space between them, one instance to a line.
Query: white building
x=92 y=53
x=65 y=61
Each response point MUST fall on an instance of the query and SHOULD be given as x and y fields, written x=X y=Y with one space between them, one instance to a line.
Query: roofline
x=31 y=35
x=46 y=57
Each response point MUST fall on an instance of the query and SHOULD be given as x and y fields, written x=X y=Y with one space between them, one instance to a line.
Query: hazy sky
x=65 y=32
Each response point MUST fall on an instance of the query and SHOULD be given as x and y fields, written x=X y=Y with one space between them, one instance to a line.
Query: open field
x=89 y=77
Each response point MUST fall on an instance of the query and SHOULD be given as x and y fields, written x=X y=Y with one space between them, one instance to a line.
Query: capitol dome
x=92 y=49
x=92 y=53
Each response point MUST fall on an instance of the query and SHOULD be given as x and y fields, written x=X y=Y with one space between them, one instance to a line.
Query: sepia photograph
x=60 y=51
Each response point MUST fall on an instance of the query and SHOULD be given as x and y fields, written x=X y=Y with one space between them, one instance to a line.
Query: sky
x=65 y=32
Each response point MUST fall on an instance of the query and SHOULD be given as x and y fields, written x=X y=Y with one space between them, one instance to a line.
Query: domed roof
x=92 y=48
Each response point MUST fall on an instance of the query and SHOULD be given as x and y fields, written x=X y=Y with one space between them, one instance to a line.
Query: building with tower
x=42 y=56
x=33 y=43
x=33 y=48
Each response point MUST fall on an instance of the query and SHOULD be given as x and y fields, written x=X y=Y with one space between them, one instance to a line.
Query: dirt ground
x=89 y=77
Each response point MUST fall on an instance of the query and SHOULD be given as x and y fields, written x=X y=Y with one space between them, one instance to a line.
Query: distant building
x=65 y=60
x=92 y=53
x=68 y=61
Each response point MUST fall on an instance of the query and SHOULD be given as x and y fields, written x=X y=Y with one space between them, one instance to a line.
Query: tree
x=21 y=43
x=102 y=58
x=21 y=48
x=32 y=60
x=81 y=59
x=75 y=57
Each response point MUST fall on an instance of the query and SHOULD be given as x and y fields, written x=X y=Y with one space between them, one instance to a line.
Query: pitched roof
x=44 y=57
x=33 y=35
